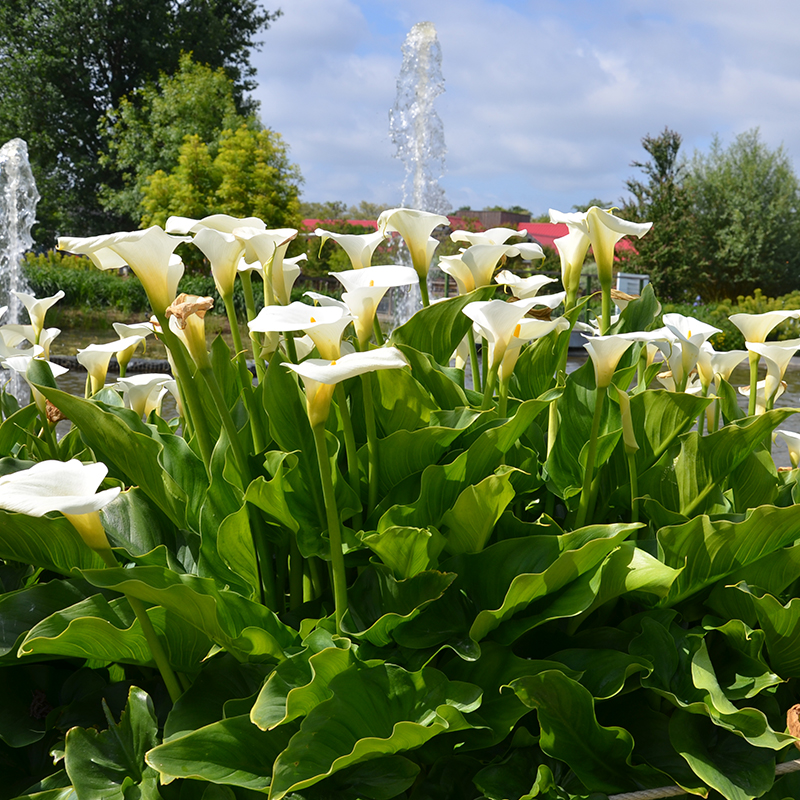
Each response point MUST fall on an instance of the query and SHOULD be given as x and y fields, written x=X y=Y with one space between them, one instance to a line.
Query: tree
x=669 y=253
x=145 y=131
x=746 y=203
x=246 y=172
x=64 y=62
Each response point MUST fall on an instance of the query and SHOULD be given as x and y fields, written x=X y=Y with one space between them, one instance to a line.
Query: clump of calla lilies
x=321 y=445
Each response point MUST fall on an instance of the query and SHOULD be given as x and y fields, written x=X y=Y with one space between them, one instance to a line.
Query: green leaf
x=108 y=631
x=400 y=402
x=599 y=756
x=469 y=523
x=445 y=384
x=437 y=329
x=508 y=576
x=725 y=762
x=300 y=684
x=16 y=427
x=23 y=609
x=232 y=752
x=406 y=551
x=378 y=603
x=705 y=462
x=709 y=550
x=105 y=765
x=241 y=626
x=781 y=626
x=373 y=711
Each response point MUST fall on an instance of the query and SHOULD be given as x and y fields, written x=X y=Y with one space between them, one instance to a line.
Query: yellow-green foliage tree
x=246 y=172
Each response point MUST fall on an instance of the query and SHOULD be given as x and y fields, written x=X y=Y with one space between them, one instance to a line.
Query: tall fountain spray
x=18 y=199
x=417 y=131
x=414 y=125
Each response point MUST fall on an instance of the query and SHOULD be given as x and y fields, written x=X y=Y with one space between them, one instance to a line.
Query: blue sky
x=545 y=103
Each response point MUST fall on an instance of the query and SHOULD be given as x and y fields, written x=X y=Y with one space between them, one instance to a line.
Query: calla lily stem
x=488 y=388
x=372 y=441
x=353 y=472
x=156 y=650
x=334 y=531
x=751 y=402
x=634 y=477
x=477 y=384
x=591 y=454
x=423 y=290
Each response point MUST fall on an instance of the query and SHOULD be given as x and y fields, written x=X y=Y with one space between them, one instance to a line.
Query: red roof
x=547 y=232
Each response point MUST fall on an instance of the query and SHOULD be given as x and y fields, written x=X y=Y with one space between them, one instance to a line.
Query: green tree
x=145 y=131
x=746 y=200
x=669 y=253
x=63 y=63
x=246 y=172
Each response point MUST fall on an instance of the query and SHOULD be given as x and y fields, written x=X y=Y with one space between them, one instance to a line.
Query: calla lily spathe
x=365 y=290
x=20 y=364
x=358 y=246
x=149 y=253
x=792 y=441
x=490 y=236
x=756 y=327
x=320 y=376
x=324 y=324
x=143 y=393
x=94 y=358
x=522 y=288
x=218 y=222
x=66 y=486
x=415 y=227
x=268 y=247
x=223 y=251
x=777 y=356
x=498 y=321
x=605 y=352
x=475 y=266
x=37 y=308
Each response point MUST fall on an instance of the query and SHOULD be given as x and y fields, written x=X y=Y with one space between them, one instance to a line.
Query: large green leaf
x=437 y=329
x=378 y=603
x=15 y=428
x=300 y=683
x=469 y=523
x=23 y=609
x=599 y=756
x=684 y=674
x=231 y=752
x=508 y=576
x=406 y=551
x=705 y=462
x=781 y=626
x=107 y=765
x=241 y=626
x=48 y=542
x=95 y=628
x=164 y=466
x=373 y=711
x=442 y=484
x=709 y=550
x=445 y=384
x=723 y=761
x=400 y=401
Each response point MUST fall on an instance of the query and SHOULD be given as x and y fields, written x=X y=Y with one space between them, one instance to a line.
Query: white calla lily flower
x=714 y=366
x=792 y=442
x=527 y=330
x=223 y=251
x=490 y=236
x=66 y=486
x=572 y=250
x=756 y=327
x=37 y=308
x=358 y=246
x=139 y=390
x=20 y=364
x=415 y=227
x=218 y=222
x=149 y=253
x=761 y=402
x=777 y=355
x=605 y=352
x=268 y=247
x=498 y=322
x=523 y=288
x=94 y=358
x=324 y=324
x=320 y=376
